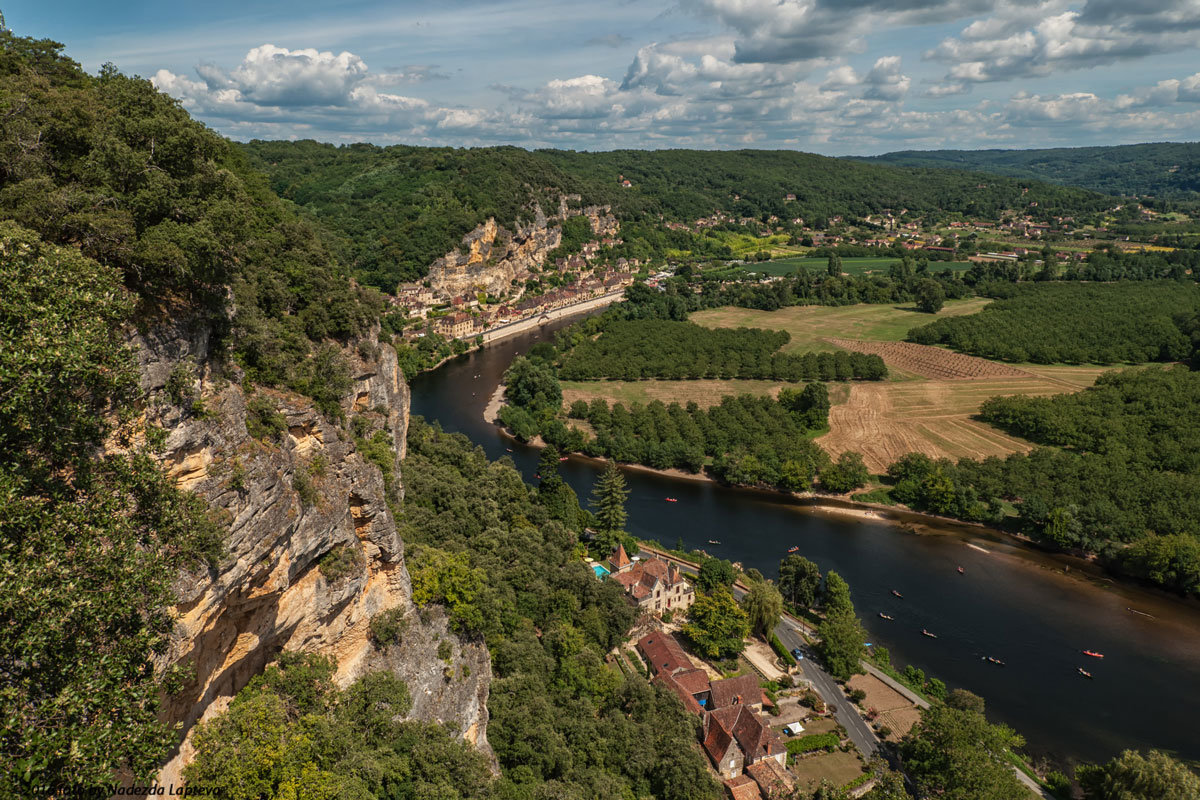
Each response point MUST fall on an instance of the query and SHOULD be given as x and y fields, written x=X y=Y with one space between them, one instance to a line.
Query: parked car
x=796 y=654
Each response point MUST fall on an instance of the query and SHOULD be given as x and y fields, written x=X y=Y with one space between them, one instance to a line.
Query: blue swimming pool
x=600 y=570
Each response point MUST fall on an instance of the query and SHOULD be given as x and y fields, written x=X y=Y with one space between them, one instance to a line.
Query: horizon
x=809 y=75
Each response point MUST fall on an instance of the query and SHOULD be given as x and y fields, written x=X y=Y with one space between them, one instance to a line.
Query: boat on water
x=1084 y=673
x=897 y=594
x=1135 y=611
x=885 y=616
x=996 y=661
x=793 y=548
x=564 y=458
x=1093 y=654
x=509 y=449
x=713 y=541
x=672 y=500
x=961 y=571
x=927 y=633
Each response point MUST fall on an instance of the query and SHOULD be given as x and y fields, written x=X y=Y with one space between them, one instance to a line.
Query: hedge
x=817 y=741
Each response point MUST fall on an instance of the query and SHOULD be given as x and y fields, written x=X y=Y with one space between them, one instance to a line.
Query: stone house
x=735 y=738
x=651 y=583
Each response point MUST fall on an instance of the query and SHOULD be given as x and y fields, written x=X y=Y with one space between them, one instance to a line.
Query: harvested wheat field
x=885 y=420
x=930 y=362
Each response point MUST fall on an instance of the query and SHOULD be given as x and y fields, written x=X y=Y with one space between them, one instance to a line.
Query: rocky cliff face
x=294 y=503
x=491 y=257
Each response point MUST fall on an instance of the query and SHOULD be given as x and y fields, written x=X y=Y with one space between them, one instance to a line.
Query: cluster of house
x=749 y=756
x=466 y=318
x=651 y=584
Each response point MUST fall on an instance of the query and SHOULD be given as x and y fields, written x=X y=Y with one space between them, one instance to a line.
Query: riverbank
x=498 y=332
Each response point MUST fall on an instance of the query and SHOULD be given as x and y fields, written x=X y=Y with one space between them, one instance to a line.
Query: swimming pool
x=600 y=570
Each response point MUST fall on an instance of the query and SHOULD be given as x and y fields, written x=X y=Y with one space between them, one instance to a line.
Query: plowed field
x=930 y=362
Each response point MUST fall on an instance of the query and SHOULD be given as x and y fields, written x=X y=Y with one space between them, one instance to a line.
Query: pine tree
x=608 y=500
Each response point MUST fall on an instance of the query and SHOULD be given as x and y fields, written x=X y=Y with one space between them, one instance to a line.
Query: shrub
x=340 y=562
x=263 y=420
x=304 y=487
x=444 y=650
x=782 y=652
x=388 y=627
x=180 y=386
x=857 y=696
x=816 y=741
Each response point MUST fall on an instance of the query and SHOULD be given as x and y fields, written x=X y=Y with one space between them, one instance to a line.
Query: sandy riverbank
x=491 y=412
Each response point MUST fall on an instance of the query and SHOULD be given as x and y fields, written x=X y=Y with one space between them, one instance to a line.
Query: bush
x=263 y=420
x=388 y=627
x=857 y=696
x=180 y=388
x=816 y=741
x=341 y=562
x=782 y=651
x=445 y=650
x=812 y=700
x=304 y=487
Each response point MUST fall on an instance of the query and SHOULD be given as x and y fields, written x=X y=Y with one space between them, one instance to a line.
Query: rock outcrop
x=491 y=257
x=312 y=551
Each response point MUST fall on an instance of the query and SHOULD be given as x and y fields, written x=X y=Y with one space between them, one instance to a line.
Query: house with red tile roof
x=742 y=787
x=774 y=780
x=742 y=690
x=735 y=737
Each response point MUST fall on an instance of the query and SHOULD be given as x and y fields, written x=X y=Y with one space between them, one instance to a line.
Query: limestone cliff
x=491 y=257
x=291 y=501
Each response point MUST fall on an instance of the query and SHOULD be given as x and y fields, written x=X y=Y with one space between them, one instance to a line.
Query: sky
x=837 y=77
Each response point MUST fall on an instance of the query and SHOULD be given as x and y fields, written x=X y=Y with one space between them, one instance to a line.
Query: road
x=856 y=727
x=788 y=631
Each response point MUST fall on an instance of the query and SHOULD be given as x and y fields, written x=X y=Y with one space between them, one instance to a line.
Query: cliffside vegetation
x=90 y=543
x=111 y=166
x=397 y=209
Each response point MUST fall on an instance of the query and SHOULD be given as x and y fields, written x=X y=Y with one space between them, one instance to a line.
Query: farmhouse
x=735 y=738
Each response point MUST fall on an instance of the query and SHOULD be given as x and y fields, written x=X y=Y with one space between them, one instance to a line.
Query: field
x=705 y=392
x=895 y=711
x=837 y=767
x=812 y=326
x=885 y=420
x=929 y=404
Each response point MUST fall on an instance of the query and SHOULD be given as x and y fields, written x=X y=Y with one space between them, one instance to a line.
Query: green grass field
x=809 y=325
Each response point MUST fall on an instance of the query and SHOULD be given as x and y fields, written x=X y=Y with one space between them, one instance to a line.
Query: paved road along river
x=1013 y=604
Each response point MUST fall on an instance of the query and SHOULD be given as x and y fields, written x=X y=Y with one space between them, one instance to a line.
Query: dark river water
x=1012 y=603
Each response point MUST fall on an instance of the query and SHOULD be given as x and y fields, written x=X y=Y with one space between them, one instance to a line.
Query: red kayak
x=793 y=548
x=672 y=500
x=1093 y=654
x=961 y=571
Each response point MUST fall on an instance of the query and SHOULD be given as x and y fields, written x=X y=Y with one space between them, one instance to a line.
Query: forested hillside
x=397 y=209
x=1166 y=170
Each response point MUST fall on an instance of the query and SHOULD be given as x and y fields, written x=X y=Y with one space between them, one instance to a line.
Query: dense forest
x=397 y=209
x=1052 y=323
x=1117 y=473
x=111 y=166
x=1166 y=170
x=637 y=349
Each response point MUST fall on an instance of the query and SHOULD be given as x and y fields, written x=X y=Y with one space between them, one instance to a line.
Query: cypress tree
x=608 y=500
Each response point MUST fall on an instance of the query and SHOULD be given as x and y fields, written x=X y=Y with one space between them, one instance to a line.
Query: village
x=770 y=727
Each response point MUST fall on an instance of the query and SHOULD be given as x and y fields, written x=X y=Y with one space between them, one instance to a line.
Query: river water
x=1012 y=603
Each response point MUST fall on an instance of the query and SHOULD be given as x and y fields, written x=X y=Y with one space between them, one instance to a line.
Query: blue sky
x=828 y=76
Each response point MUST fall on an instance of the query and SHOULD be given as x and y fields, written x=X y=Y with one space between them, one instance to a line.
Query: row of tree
x=640 y=349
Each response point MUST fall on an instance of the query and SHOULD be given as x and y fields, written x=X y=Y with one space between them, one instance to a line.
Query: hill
x=1166 y=170
x=399 y=208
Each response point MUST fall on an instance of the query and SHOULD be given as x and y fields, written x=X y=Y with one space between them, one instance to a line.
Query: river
x=1012 y=603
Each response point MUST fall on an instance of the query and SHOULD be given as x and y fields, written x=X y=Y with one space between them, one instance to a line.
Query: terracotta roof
x=664 y=653
x=742 y=788
x=740 y=723
x=717 y=742
x=694 y=681
x=727 y=692
x=685 y=697
x=646 y=574
x=620 y=558
x=772 y=778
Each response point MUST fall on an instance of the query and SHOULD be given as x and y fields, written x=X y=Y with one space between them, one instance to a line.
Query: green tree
x=834 y=266
x=799 y=580
x=957 y=754
x=78 y=528
x=608 y=507
x=930 y=296
x=716 y=625
x=836 y=594
x=1133 y=776
x=532 y=385
x=763 y=606
x=841 y=645
x=715 y=574
x=846 y=474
